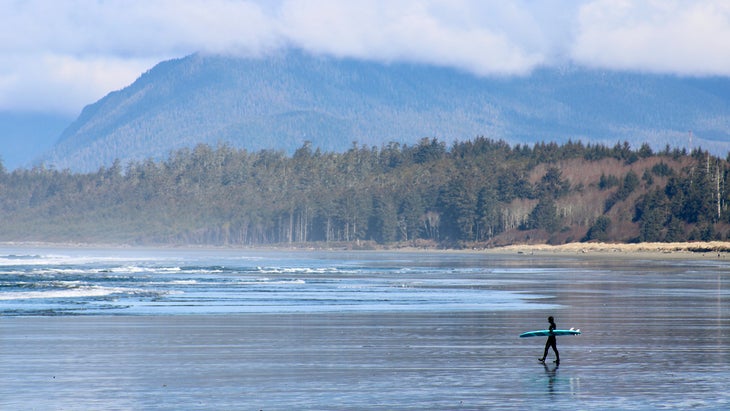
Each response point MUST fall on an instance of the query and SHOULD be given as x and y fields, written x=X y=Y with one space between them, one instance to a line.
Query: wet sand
x=281 y=362
x=261 y=362
x=656 y=334
x=335 y=362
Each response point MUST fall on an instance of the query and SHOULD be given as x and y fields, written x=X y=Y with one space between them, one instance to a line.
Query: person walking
x=551 y=343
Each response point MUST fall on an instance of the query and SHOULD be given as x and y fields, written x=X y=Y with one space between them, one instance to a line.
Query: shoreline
x=715 y=249
x=700 y=249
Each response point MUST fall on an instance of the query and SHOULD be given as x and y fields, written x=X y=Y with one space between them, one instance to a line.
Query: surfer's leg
x=555 y=350
x=544 y=354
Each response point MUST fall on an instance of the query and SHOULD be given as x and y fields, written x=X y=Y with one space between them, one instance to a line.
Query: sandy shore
x=714 y=249
x=699 y=249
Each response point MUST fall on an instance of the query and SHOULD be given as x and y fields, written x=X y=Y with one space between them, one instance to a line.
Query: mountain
x=27 y=135
x=281 y=101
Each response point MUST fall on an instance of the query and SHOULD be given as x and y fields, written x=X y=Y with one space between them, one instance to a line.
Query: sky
x=58 y=56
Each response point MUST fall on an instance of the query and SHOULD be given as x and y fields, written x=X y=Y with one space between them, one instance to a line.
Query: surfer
x=551 y=342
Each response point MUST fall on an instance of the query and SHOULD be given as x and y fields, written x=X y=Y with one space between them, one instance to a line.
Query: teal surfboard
x=544 y=333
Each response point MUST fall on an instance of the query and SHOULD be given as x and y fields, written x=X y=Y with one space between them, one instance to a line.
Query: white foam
x=79 y=292
x=183 y=282
x=130 y=269
x=268 y=281
x=299 y=270
x=287 y=282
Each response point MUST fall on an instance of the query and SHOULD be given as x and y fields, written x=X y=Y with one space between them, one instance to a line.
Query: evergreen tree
x=487 y=213
x=544 y=216
x=599 y=229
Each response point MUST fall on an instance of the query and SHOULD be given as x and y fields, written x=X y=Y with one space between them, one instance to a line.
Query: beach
x=357 y=362
x=376 y=330
x=693 y=249
x=687 y=250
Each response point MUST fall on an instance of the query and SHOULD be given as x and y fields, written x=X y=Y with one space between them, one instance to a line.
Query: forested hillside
x=475 y=193
x=278 y=102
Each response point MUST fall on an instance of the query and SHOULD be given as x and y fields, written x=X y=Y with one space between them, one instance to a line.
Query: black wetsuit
x=551 y=343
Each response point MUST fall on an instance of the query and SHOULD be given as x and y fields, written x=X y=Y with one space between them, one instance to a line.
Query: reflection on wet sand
x=656 y=334
x=552 y=374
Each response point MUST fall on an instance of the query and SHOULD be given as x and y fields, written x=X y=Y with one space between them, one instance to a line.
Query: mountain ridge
x=281 y=101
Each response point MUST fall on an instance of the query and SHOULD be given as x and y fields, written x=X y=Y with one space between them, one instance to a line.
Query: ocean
x=203 y=329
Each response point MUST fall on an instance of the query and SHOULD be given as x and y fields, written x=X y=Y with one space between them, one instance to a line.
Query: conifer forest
x=477 y=193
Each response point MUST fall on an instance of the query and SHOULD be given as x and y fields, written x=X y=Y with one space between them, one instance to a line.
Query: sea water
x=175 y=329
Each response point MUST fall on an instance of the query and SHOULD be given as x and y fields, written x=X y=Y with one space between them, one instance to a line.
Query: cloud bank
x=59 y=56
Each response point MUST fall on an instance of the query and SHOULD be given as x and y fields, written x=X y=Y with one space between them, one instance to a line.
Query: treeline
x=475 y=192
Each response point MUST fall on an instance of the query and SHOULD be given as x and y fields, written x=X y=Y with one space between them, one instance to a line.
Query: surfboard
x=544 y=333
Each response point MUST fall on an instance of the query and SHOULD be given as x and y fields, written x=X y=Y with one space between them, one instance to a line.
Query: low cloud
x=62 y=83
x=455 y=34
x=680 y=37
x=64 y=54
